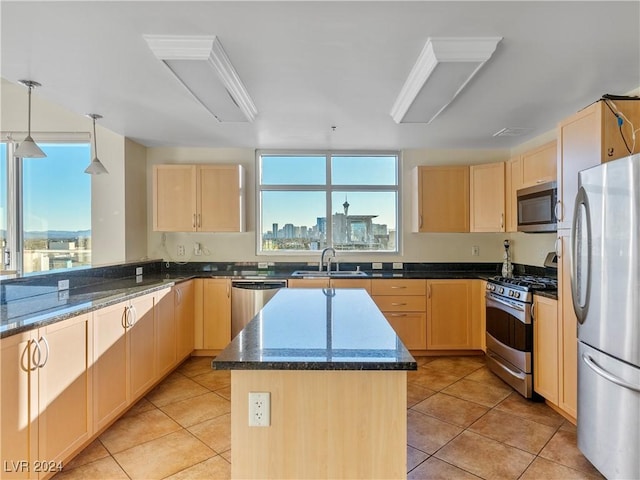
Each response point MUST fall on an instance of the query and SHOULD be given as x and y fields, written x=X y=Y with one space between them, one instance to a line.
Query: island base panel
x=324 y=424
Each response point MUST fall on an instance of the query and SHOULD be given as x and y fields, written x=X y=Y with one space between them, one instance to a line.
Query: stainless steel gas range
x=510 y=328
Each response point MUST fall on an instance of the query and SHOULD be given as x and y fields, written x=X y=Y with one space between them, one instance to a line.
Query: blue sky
x=57 y=192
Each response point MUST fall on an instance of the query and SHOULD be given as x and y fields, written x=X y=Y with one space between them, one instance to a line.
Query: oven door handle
x=513 y=373
x=506 y=304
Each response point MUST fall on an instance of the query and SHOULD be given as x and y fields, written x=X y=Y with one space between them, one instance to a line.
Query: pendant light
x=95 y=167
x=28 y=148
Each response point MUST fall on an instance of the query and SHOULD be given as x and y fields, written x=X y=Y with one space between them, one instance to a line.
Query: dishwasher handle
x=257 y=285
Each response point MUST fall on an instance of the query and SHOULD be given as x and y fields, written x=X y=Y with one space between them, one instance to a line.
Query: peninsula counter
x=336 y=374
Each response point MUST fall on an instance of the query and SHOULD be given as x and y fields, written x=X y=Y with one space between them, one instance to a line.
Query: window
x=357 y=192
x=51 y=223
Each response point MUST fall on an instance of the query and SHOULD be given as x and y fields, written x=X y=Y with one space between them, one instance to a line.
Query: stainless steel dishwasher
x=247 y=299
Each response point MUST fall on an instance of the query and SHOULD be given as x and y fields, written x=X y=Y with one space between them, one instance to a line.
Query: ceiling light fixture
x=203 y=67
x=95 y=167
x=444 y=67
x=28 y=148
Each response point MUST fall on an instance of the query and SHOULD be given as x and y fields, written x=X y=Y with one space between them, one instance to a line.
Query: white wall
x=109 y=208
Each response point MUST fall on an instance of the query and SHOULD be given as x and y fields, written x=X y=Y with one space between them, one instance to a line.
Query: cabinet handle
x=125 y=319
x=397 y=304
x=557 y=210
x=35 y=361
x=228 y=290
x=398 y=286
x=429 y=291
x=397 y=314
x=134 y=316
x=420 y=221
x=46 y=356
x=199 y=220
x=179 y=295
x=194 y=220
x=541 y=180
x=533 y=311
x=502 y=221
x=559 y=250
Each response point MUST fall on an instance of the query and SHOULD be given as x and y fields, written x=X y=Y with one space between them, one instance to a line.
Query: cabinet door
x=487 y=197
x=568 y=358
x=351 y=283
x=19 y=427
x=513 y=181
x=449 y=316
x=442 y=199
x=174 y=198
x=166 y=332
x=539 y=164
x=184 y=312
x=308 y=283
x=398 y=287
x=400 y=303
x=110 y=370
x=142 y=346
x=410 y=327
x=545 y=347
x=220 y=190
x=217 y=313
x=64 y=386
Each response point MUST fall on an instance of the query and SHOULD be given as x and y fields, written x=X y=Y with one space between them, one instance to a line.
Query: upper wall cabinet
x=441 y=199
x=198 y=198
x=588 y=138
x=487 y=192
x=532 y=167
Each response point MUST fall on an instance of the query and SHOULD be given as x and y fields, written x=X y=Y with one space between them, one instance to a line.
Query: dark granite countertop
x=26 y=307
x=317 y=329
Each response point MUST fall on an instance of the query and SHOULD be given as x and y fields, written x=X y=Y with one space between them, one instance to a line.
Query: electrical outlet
x=376 y=265
x=138 y=270
x=181 y=250
x=138 y=278
x=63 y=295
x=398 y=266
x=259 y=409
x=63 y=285
x=475 y=250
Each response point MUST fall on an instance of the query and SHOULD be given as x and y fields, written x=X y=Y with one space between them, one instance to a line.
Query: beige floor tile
x=563 y=449
x=484 y=457
x=438 y=470
x=130 y=431
x=164 y=456
x=546 y=469
x=428 y=434
x=424 y=360
x=487 y=395
x=215 y=433
x=214 y=468
x=568 y=426
x=415 y=457
x=225 y=392
x=226 y=455
x=105 y=468
x=214 y=380
x=174 y=388
x=192 y=411
x=431 y=380
x=92 y=452
x=486 y=376
x=515 y=431
x=416 y=393
x=142 y=405
x=195 y=366
x=458 y=366
x=451 y=409
x=516 y=404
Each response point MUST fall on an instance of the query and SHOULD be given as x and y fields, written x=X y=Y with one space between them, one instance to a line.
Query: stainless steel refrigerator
x=606 y=297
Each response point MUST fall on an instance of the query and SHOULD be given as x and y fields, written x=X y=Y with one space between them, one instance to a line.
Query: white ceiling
x=312 y=65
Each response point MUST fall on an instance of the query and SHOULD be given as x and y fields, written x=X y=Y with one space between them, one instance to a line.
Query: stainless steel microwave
x=536 y=208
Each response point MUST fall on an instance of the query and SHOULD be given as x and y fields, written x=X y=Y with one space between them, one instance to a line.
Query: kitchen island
x=336 y=374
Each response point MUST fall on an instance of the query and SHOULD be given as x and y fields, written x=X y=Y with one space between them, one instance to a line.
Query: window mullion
x=328 y=206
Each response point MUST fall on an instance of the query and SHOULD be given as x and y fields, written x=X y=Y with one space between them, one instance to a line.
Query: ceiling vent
x=512 y=132
x=203 y=67
x=445 y=66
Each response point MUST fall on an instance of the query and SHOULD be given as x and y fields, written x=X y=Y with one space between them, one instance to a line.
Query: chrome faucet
x=325 y=251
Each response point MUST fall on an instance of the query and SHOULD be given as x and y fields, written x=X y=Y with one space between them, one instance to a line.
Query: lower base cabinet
x=545 y=347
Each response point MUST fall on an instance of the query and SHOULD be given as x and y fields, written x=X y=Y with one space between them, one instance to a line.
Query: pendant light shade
x=28 y=148
x=95 y=167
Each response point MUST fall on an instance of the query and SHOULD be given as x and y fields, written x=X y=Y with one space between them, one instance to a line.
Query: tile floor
x=463 y=423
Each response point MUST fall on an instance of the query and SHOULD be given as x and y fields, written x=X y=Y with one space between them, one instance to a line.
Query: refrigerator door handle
x=590 y=362
x=577 y=267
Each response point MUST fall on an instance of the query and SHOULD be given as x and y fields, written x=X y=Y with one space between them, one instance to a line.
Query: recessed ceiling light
x=445 y=66
x=203 y=67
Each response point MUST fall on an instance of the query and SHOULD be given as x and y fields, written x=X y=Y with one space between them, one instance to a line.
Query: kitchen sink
x=332 y=274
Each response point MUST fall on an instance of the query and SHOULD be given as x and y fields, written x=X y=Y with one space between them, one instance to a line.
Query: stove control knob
x=501 y=290
x=517 y=294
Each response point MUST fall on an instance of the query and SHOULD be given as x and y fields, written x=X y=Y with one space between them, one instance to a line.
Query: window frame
x=328 y=188
x=15 y=197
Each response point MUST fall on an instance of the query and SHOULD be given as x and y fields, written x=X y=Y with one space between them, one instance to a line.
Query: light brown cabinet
x=185 y=321
x=166 y=338
x=216 y=309
x=586 y=139
x=142 y=345
x=403 y=304
x=441 y=199
x=46 y=388
x=545 y=347
x=364 y=283
x=487 y=192
x=450 y=316
x=198 y=198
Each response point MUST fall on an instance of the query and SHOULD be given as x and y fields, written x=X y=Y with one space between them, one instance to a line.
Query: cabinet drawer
x=401 y=303
x=411 y=327
x=398 y=287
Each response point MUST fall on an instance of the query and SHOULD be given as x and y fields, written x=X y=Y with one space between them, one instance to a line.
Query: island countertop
x=317 y=329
